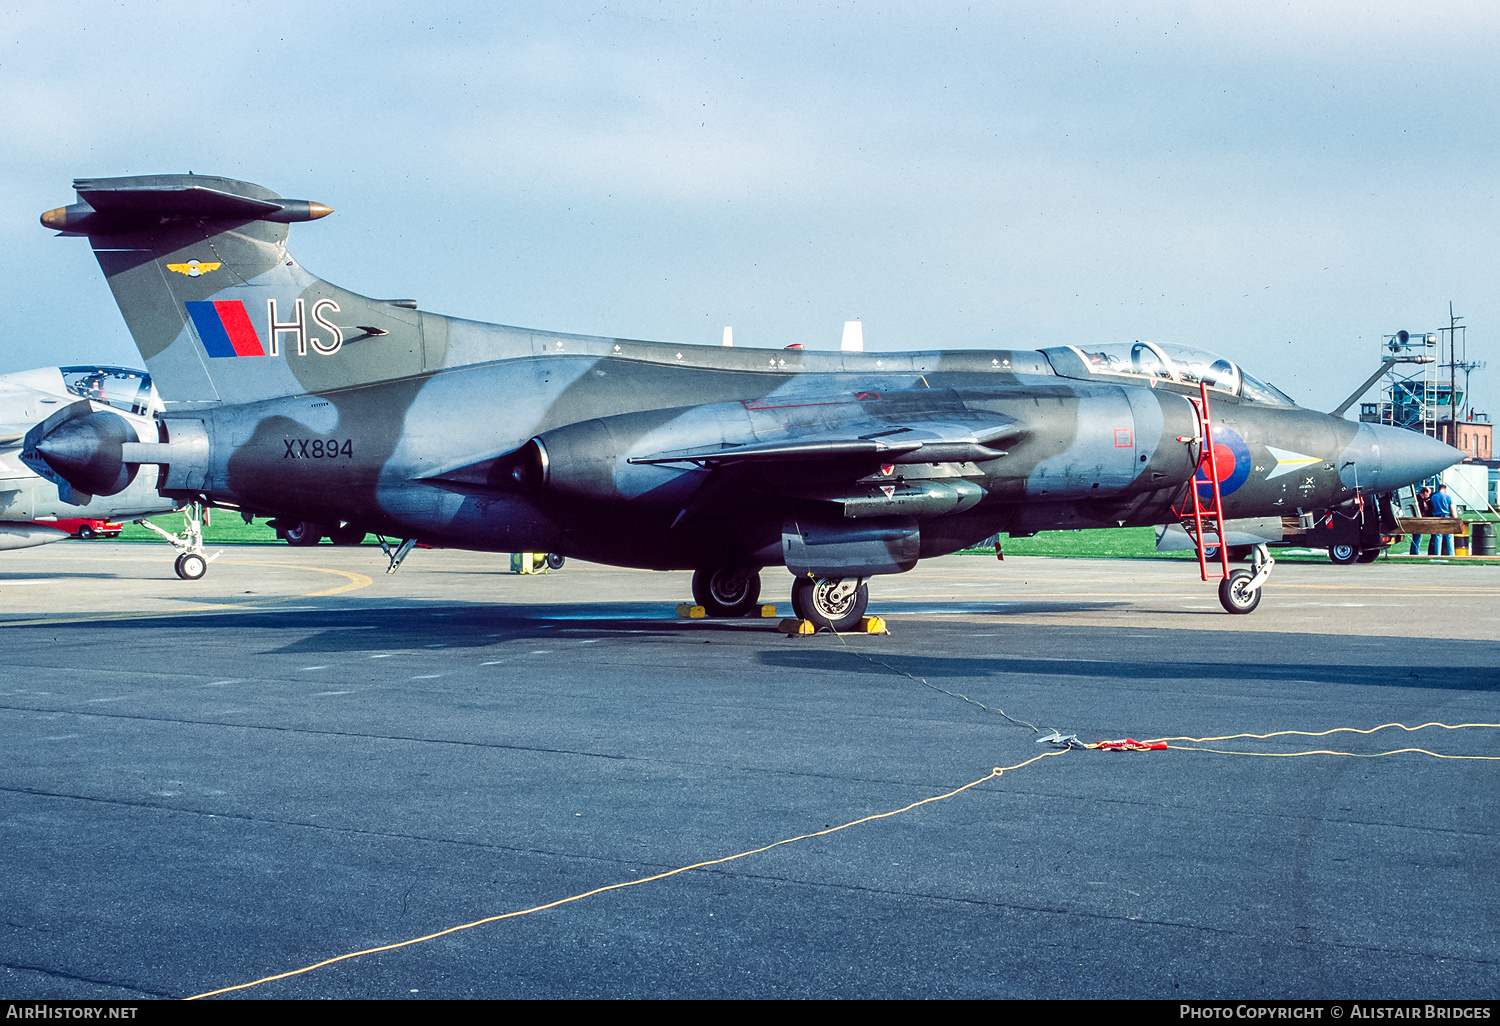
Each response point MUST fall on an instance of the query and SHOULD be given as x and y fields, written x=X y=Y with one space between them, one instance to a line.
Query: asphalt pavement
x=203 y=784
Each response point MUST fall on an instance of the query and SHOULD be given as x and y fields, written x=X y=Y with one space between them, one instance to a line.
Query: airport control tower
x=1422 y=392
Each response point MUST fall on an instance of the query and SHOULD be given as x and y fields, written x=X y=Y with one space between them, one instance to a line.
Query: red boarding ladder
x=1210 y=510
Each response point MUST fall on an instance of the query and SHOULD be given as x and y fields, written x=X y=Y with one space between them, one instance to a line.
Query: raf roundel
x=1232 y=456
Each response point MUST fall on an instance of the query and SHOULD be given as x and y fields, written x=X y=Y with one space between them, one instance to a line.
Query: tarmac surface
x=203 y=784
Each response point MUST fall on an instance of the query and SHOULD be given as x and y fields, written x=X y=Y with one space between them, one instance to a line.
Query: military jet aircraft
x=290 y=396
x=30 y=503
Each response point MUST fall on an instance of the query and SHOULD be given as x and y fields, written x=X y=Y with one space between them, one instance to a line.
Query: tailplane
x=219 y=309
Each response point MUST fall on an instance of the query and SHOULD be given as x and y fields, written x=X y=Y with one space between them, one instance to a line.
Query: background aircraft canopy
x=1164 y=361
x=120 y=387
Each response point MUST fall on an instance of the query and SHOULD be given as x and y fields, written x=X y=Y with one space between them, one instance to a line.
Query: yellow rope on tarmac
x=1326 y=751
x=1335 y=730
x=994 y=774
x=1197 y=741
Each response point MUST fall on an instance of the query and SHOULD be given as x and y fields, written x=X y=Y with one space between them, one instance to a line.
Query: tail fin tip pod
x=199 y=268
x=113 y=206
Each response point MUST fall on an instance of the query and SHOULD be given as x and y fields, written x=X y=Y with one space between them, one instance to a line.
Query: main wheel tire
x=829 y=602
x=348 y=534
x=555 y=562
x=1234 y=596
x=1210 y=552
x=1343 y=553
x=190 y=566
x=85 y=532
x=304 y=532
x=1370 y=555
x=727 y=591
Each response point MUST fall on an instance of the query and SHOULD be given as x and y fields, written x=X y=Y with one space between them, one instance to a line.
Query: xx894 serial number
x=317 y=448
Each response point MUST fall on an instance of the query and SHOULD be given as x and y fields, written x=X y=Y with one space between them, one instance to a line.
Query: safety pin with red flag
x=1129 y=744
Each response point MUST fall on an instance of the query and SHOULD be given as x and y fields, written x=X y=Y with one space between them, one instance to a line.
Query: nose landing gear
x=1240 y=591
x=191 y=563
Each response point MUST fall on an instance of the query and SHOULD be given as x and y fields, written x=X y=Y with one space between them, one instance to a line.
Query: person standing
x=1424 y=509
x=1442 y=507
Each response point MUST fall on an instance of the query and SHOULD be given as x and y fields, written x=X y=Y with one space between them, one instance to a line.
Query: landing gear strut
x=396 y=553
x=191 y=563
x=836 y=603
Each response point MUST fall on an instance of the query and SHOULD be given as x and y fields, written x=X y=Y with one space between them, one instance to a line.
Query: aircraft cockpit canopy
x=120 y=387
x=1166 y=362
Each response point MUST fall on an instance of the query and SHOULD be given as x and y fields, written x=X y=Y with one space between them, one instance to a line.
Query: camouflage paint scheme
x=644 y=454
x=27 y=398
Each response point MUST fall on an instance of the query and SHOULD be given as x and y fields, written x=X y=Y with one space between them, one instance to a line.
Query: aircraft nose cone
x=1382 y=458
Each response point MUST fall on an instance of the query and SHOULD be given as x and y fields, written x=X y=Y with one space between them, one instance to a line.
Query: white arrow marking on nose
x=1287 y=461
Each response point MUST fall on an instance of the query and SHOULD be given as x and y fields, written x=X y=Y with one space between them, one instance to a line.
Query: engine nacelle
x=577 y=460
x=587 y=460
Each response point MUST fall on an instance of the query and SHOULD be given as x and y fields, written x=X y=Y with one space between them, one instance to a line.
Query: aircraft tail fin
x=219 y=309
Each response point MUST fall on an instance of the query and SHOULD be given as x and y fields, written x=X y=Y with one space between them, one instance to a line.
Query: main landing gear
x=835 y=603
x=191 y=563
x=727 y=591
x=306 y=532
x=832 y=602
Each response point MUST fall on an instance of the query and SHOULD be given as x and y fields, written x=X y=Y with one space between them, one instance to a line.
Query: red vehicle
x=85 y=528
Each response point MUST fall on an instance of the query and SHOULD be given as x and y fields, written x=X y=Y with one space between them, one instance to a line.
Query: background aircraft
x=26 y=496
x=289 y=396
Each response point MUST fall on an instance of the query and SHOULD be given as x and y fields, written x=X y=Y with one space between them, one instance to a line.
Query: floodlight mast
x=1409 y=395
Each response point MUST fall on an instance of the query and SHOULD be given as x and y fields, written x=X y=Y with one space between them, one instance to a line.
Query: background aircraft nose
x=1383 y=458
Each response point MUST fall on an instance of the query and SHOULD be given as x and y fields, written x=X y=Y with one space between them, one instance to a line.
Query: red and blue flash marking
x=225 y=328
x=1232 y=456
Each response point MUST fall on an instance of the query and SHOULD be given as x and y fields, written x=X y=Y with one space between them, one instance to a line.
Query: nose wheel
x=1240 y=591
x=191 y=566
x=835 y=603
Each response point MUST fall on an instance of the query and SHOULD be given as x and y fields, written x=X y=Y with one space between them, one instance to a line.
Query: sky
x=1284 y=184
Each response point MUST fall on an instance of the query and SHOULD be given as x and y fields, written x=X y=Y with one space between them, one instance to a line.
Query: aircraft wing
x=877 y=430
x=840 y=451
x=958 y=447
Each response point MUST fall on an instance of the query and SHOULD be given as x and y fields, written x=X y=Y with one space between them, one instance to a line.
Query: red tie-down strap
x=1129 y=744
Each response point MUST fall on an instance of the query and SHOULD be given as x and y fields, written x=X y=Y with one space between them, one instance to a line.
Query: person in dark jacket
x=1424 y=509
